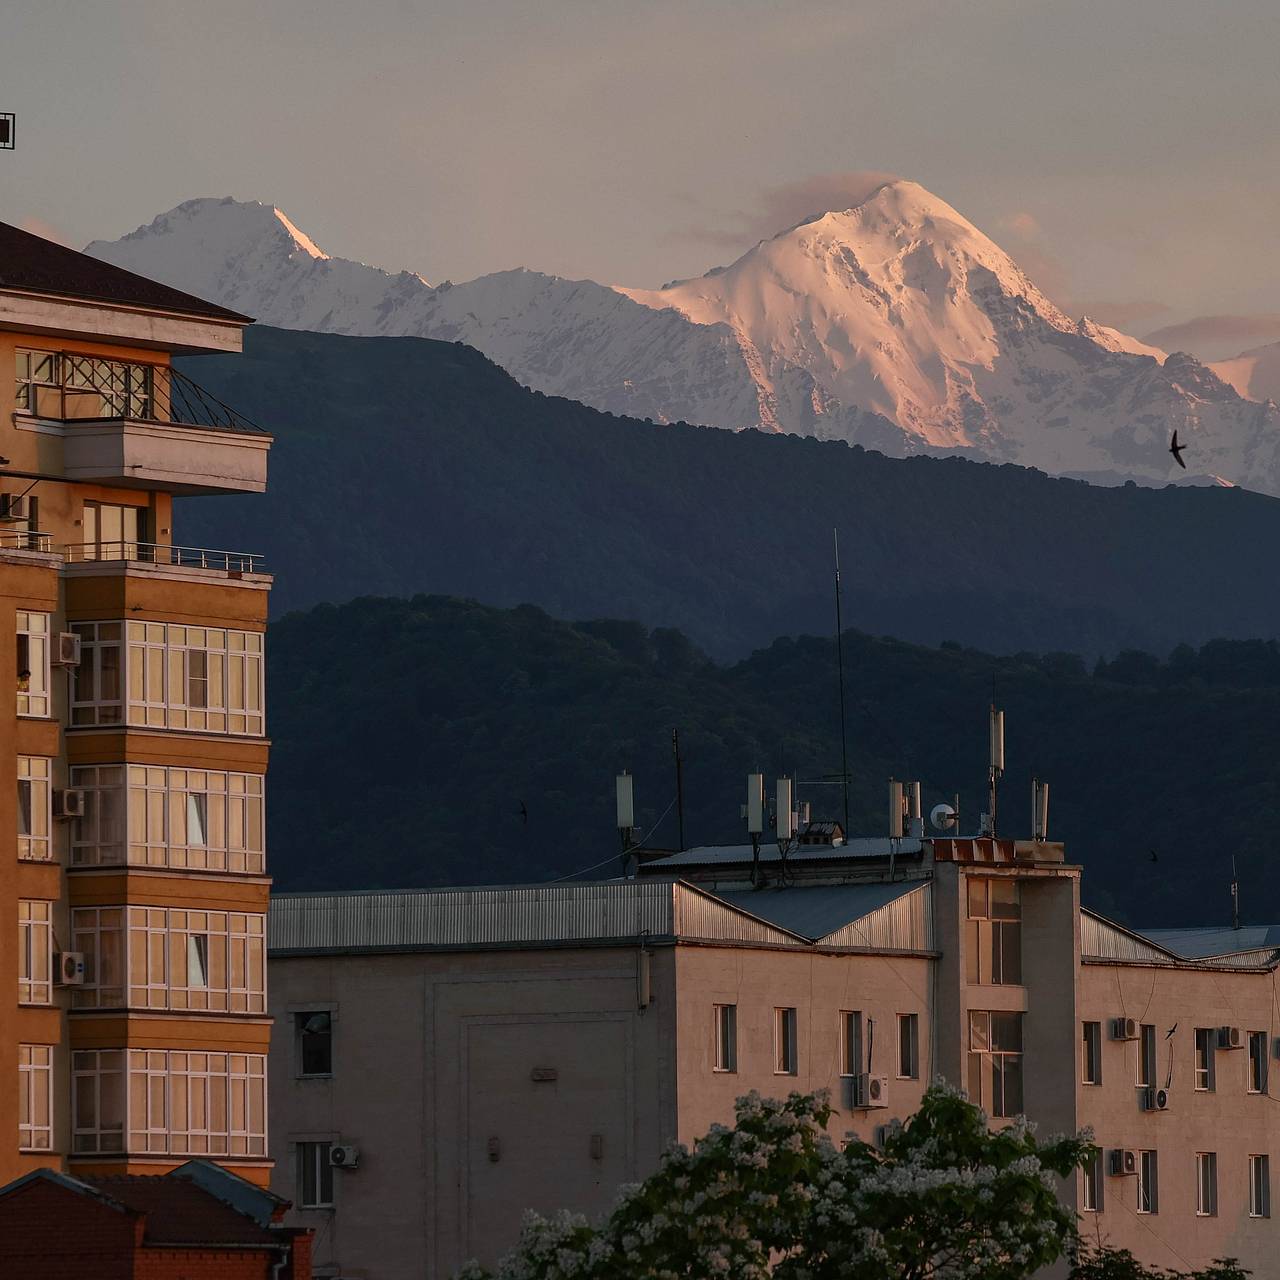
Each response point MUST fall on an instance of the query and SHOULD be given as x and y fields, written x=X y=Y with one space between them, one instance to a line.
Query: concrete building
x=471 y=1053
x=133 y=1020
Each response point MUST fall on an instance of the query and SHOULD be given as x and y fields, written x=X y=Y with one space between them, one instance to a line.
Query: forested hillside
x=405 y=465
x=411 y=738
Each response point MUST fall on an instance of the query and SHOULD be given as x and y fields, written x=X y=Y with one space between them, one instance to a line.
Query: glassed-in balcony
x=140 y=426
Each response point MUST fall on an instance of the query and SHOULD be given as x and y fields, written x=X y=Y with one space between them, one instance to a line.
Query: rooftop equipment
x=1039 y=809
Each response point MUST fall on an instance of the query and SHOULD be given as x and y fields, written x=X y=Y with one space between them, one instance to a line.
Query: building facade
x=133 y=1018
x=445 y=1060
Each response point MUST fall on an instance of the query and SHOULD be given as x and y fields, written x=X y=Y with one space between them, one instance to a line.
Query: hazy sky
x=1127 y=152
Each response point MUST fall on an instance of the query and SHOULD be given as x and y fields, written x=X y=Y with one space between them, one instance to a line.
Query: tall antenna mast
x=1235 y=895
x=675 y=750
x=844 y=744
x=996 y=767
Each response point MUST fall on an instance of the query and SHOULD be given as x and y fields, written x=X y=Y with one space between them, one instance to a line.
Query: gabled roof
x=818 y=911
x=32 y=264
x=178 y=1212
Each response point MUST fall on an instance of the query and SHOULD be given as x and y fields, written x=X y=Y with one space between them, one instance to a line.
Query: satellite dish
x=943 y=816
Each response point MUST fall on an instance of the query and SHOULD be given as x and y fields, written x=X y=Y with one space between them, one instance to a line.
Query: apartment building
x=133 y=1019
x=446 y=1059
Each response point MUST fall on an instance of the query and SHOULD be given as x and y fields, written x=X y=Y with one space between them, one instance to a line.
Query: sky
x=1125 y=152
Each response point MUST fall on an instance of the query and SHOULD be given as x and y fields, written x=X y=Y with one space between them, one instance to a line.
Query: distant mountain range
x=482 y=745
x=895 y=324
x=404 y=465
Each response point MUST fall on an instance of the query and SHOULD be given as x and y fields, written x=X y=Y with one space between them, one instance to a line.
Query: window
x=994 y=931
x=35 y=371
x=1146 y=1056
x=1091 y=1185
x=1259 y=1186
x=212 y=961
x=726 y=1033
x=995 y=1061
x=1206 y=1184
x=784 y=1042
x=33 y=663
x=315 y=1173
x=1257 y=1062
x=35 y=811
x=35 y=1097
x=315 y=1042
x=204 y=679
x=908 y=1046
x=1091 y=1053
x=850 y=1043
x=35 y=953
x=113 y=532
x=1148 y=1182
x=1206 y=1039
x=169 y=1102
x=149 y=815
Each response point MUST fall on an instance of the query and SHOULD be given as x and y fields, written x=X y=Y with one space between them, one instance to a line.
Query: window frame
x=995 y=1064
x=35 y=776
x=1148 y=1188
x=1148 y=1056
x=1256 y=1078
x=312 y=1158
x=908 y=1026
x=300 y=1033
x=1260 y=1186
x=724 y=1030
x=1205 y=1073
x=851 y=1043
x=1091 y=1185
x=35 y=638
x=35 y=1088
x=1091 y=1054
x=1206 y=1184
x=35 y=951
x=993 y=931
x=786 y=1047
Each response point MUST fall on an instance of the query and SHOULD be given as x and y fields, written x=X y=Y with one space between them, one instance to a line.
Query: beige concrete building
x=469 y=1054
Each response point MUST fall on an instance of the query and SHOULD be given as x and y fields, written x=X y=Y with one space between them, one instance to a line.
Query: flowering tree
x=943 y=1198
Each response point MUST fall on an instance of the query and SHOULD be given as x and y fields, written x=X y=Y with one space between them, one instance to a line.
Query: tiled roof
x=34 y=265
x=181 y=1213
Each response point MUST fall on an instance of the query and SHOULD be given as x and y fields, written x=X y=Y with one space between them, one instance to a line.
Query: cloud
x=1022 y=224
x=1214 y=337
x=46 y=231
x=786 y=205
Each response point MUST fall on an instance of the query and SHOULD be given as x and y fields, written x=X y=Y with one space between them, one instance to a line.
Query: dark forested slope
x=405 y=465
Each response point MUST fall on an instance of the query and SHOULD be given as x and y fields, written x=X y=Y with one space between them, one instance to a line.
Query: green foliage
x=1119 y=1264
x=944 y=1197
x=403 y=465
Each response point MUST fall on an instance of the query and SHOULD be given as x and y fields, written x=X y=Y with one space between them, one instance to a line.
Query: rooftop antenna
x=626 y=814
x=675 y=751
x=844 y=744
x=995 y=768
x=1235 y=895
x=1039 y=809
x=755 y=820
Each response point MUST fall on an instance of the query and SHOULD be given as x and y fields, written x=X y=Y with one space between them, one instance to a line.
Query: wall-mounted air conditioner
x=68 y=802
x=1122 y=1163
x=1124 y=1028
x=1154 y=1099
x=68 y=969
x=344 y=1156
x=870 y=1092
x=1230 y=1038
x=66 y=653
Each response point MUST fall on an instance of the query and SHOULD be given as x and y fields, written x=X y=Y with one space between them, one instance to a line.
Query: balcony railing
x=75 y=388
x=25 y=540
x=162 y=554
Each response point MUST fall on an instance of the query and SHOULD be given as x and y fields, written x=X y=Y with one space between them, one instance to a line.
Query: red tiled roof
x=181 y=1213
x=35 y=265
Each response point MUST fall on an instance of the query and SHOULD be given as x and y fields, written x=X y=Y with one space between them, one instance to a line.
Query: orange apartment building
x=133 y=892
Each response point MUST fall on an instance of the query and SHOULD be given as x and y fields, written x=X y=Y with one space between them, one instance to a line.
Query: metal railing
x=25 y=540
x=72 y=388
x=162 y=554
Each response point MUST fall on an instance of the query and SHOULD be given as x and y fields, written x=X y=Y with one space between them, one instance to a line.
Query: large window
x=785 y=1054
x=211 y=961
x=1091 y=1185
x=203 y=679
x=33 y=663
x=112 y=531
x=64 y=385
x=1146 y=1056
x=1259 y=1186
x=908 y=1046
x=149 y=815
x=993 y=938
x=36 y=378
x=172 y=1102
x=315 y=1175
x=725 y=1029
x=1148 y=1182
x=995 y=1061
x=1206 y=1184
x=35 y=1097
x=1205 y=1067
x=1257 y=1062
x=35 y=952
x=314 y=1033
x=1091 y=1053
x=850 y=1042
x=35 y=811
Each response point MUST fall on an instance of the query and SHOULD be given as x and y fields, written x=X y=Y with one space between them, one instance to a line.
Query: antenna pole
x=1235 y=895
x=675 y=750
x=844 y=744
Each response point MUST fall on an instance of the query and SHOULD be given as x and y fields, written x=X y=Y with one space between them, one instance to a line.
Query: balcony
x=235 y=564
x=140 y=426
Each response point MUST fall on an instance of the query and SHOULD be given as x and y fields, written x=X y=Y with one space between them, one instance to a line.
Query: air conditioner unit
x=1122 y=1163
x=68 y=802
x=1230 y=1038
x=870 y=1092
x=344 y=1156
x=1124 y=1028
x=14 y=506
x=66 y=652
x=1154 y=1099
x=69 y=968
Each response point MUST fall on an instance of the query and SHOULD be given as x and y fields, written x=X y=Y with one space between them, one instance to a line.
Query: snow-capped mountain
x=895 y=323
x=1255 y=373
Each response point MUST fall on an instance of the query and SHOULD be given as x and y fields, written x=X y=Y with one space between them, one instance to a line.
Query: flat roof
x=32 y=264
x=715 y=855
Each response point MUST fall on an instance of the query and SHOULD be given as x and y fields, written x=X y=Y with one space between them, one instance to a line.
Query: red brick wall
x=203 y=1264
x=48 y=1233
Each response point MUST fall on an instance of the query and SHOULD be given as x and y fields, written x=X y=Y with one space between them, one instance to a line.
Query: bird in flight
x=1177 y=449
x=524 y=813
x=1154 y=856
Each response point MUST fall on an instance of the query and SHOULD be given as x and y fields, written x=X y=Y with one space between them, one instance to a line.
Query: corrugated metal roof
x=1252 y=948
x=816 y=911
x=1200 y=943
x=731 y=854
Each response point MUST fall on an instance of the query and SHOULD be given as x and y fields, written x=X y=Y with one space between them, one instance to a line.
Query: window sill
x=315 y=1075
x=724 y=1071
